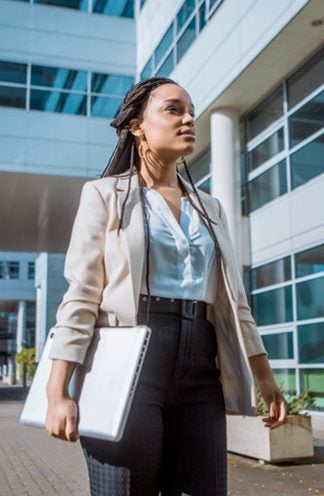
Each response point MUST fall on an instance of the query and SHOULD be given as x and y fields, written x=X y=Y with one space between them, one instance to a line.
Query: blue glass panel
x=308 y=162
x=266 y=112
x=273 y=307
x=310 y=301
x=312 y=380
x=307 y=120
x=286 y=379
x=105 y=107
x=213 y=6
x=186 y=39
x=167 y=66
x=279 y=346
x=309 y=261
x=184 y=13
x=311 y=343
x=55 y=101
x=268 y=186
x=11 y=72
x=202 y=16
x=12 y=97
x=58 y=78
x=142 y=2
x=309 y=77
x=271 y=273
x=111 y=84
x=122 y=8
x=164 y=45
x=267 y=149
x=148 y=70
x=70 y=4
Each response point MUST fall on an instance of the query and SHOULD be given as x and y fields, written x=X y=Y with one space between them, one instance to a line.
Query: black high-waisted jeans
x=175 y=438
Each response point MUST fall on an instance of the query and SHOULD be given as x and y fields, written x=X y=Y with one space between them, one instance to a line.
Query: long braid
x=204 y=217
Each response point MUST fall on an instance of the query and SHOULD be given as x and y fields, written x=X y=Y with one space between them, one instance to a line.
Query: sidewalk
x=32 y=463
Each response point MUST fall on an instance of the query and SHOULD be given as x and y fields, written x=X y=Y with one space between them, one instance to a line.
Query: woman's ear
x=135 y=127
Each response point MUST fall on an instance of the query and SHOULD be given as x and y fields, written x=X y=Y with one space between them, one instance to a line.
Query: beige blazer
x=104 y=272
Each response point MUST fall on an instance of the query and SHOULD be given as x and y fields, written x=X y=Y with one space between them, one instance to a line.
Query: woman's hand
x=61 y=418
x=271 y=393
x=62 y=412
x=275 y=401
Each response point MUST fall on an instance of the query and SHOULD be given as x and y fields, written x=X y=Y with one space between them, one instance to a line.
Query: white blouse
x=182 y=256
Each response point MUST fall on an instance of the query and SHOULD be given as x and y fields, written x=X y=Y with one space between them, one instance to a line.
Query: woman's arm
x=255 y=349
x=61 y=417
x=271 y=393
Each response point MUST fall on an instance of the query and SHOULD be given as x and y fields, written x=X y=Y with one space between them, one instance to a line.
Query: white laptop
x=102 y=387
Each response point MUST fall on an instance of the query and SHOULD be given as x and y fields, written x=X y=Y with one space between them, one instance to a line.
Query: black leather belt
x=189 y=309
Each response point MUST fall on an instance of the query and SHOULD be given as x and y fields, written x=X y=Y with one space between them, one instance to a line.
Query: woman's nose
x=188 y=118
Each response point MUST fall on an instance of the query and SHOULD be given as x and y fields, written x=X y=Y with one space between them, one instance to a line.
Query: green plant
x=26 y=356
x=295 y=404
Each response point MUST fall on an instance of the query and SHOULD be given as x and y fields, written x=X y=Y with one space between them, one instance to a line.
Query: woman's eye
x=173 y=109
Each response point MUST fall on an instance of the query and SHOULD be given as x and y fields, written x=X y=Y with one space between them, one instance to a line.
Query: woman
x=146 y=245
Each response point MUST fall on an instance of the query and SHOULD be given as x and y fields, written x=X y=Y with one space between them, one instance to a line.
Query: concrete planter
x=248 y=436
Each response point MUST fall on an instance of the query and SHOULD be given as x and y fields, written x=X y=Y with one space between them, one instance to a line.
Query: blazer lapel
x=133 y=230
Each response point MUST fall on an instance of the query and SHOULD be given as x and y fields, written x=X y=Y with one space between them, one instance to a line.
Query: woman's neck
x=160 y=176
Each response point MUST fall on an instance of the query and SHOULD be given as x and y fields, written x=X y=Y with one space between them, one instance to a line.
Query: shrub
x=295 y=404
x=26 y=356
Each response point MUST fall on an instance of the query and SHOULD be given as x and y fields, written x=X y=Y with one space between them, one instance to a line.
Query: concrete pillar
x=21 y=326
x=225 y=169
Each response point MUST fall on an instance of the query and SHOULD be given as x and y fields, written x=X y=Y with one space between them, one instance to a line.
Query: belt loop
x=189 y=309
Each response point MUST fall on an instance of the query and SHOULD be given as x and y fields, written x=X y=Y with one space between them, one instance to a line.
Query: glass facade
x=9 y=270
x=122 y=8
x=283 y=146
x=288 y=292
x=61 y=90
x=190 y=20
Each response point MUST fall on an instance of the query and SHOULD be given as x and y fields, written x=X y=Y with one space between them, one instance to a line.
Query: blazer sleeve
x=252 y=339
x=84 y=271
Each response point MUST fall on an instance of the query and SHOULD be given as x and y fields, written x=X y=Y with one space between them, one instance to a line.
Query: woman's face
x=168 y=122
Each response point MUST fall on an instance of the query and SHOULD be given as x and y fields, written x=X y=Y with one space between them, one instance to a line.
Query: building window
x=279 y=345
x=122 y=8
x=287 y=126
x=31 y=270
x=13 y=83
x=309 y=261
x=267 y=149
x=107 y=93
x=71 y=4
x=310 y=302
x=311 y=343
x=273 y=306
x=307 y=162
x=61 y=90
x=9 y=270
x=142 y=2
x=186 y=39
x=191 y=18
x=268 y=112
x=312 y=381
x=307 y=120
x=271 y=273
x=286 y=378
x=268 y=186
x=306 y=79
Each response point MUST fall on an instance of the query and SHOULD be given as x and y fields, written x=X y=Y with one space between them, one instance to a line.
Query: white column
x=21 y=326
x=225 y=169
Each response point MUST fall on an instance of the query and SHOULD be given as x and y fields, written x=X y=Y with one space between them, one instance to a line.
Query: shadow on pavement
x=12 y=393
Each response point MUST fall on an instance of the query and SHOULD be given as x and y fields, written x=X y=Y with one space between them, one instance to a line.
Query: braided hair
x=125 y=159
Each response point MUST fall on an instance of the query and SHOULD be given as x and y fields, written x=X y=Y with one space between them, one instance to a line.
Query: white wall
x=290 y=223
x=44 y=142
